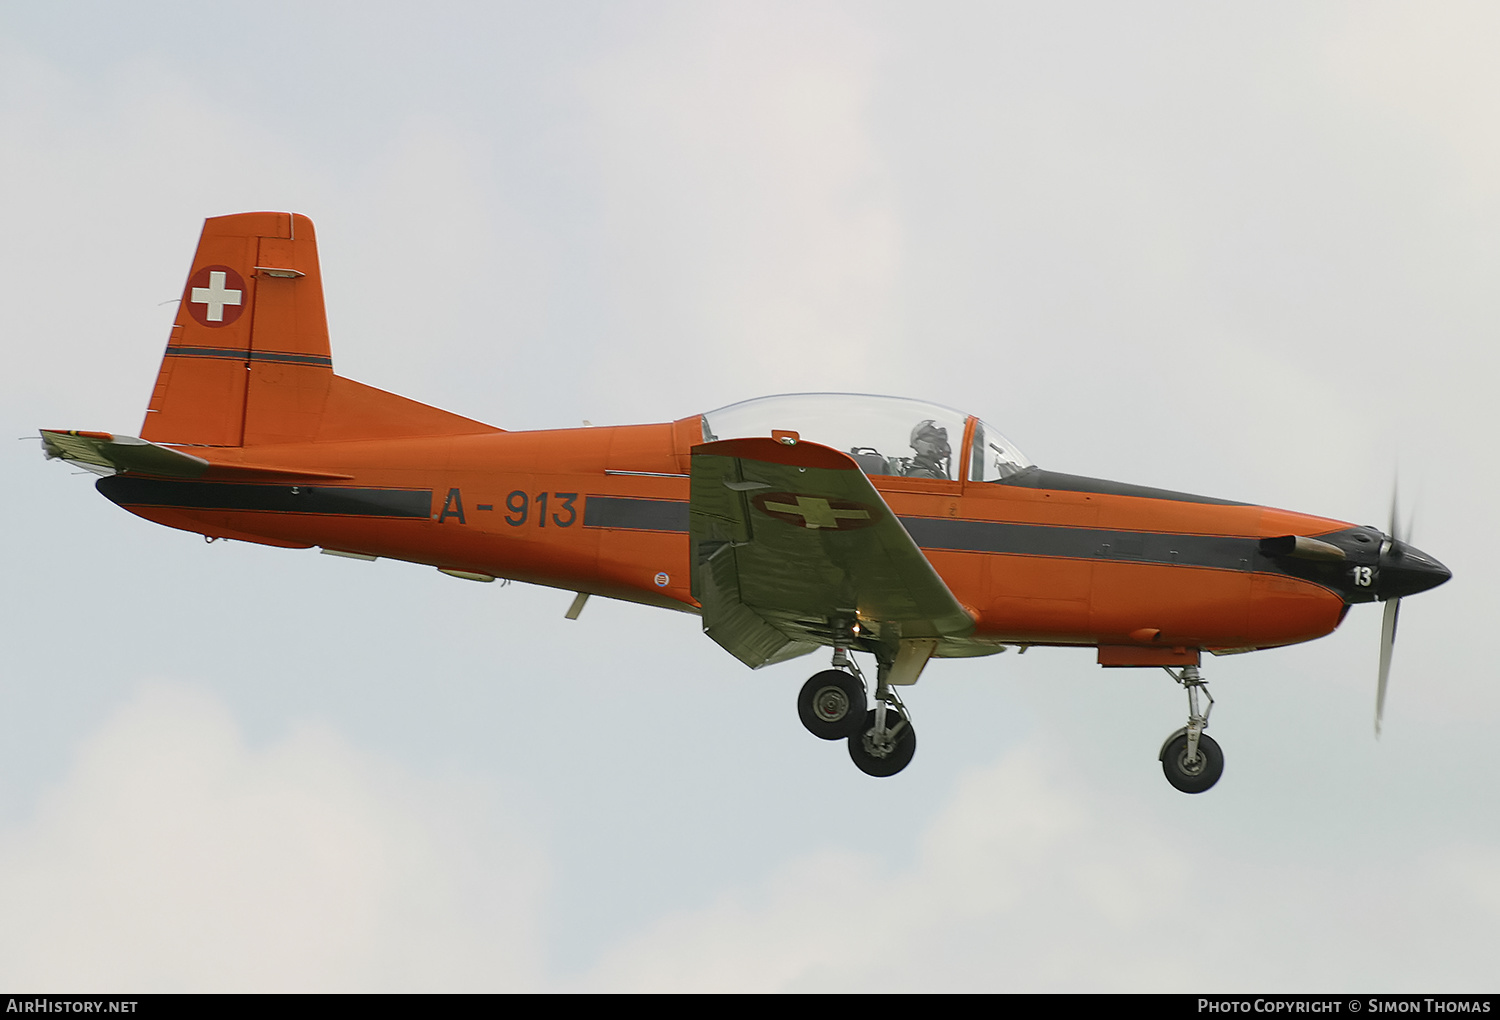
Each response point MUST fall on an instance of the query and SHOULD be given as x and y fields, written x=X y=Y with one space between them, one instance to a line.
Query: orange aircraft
x=901 y=529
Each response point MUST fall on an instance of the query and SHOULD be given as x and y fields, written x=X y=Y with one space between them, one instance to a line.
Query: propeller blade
x=1394 y=529
x=1387 y=643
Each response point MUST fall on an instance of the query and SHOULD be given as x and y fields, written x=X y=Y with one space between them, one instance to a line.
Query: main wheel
x=831 y=704
x=1197 y=775
x=883 y=758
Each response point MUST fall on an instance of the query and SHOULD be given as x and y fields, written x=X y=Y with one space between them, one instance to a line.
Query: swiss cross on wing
x=215 y=296
x=816 y=512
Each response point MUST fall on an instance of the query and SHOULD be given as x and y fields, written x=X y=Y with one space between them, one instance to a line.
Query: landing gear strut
x=833 y=706
x=1190 y=759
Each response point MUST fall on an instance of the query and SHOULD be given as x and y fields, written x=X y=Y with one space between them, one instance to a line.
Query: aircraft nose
x=1407 y=570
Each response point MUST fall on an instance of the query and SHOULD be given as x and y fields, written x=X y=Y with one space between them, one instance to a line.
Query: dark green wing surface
x=792 y=545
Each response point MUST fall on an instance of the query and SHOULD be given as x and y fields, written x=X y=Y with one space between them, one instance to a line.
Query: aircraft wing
x=791 y=544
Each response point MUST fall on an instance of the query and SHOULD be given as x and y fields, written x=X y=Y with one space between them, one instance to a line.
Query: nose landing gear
x=1190 y=759
x=832 y=706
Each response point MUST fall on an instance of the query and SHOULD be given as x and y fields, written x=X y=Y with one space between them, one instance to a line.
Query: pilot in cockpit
x=930 y=441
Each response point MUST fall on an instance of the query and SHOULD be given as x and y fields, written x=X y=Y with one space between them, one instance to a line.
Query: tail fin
x=247 y=362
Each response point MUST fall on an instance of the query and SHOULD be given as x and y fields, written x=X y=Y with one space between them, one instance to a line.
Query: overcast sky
x=1241 y=249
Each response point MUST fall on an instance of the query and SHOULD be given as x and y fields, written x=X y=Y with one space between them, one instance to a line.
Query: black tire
x=870 y=759
x=831 y=704
x=1197 y=776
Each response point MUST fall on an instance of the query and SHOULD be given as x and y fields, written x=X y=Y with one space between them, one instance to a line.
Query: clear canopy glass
x=884 y=435
x=992 y=457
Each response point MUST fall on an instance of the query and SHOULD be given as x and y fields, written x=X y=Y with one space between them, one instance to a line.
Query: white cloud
x=175 y=857
x=1030 y=880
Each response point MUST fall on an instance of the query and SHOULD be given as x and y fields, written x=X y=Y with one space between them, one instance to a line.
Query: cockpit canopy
x=889 y=436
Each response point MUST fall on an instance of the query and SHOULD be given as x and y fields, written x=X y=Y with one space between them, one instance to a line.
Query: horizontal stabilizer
x=108 y=454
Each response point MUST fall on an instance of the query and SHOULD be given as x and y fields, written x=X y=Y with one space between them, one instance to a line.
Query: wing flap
x=791 y=544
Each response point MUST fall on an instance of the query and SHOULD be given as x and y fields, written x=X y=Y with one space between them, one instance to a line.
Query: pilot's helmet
x=931 y=438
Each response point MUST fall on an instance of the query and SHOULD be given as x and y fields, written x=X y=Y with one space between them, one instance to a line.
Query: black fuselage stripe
x=1216 y=551
x=345 y=500
x=635 y=514
x=946 y=534
x=237 y=354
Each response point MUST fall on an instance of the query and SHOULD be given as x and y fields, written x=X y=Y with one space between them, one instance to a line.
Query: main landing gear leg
x=833 y=705
x=1190 y=758
x=884 y=745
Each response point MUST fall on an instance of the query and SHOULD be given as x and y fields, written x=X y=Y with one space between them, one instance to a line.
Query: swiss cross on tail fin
x=215 y=296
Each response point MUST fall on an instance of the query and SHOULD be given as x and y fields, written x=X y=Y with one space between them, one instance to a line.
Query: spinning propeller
x=1365 y=565
x=1404 y=570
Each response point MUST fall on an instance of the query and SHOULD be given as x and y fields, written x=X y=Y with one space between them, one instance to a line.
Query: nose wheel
x=1190 y=758
x=833 y=706
x=1192 y=773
